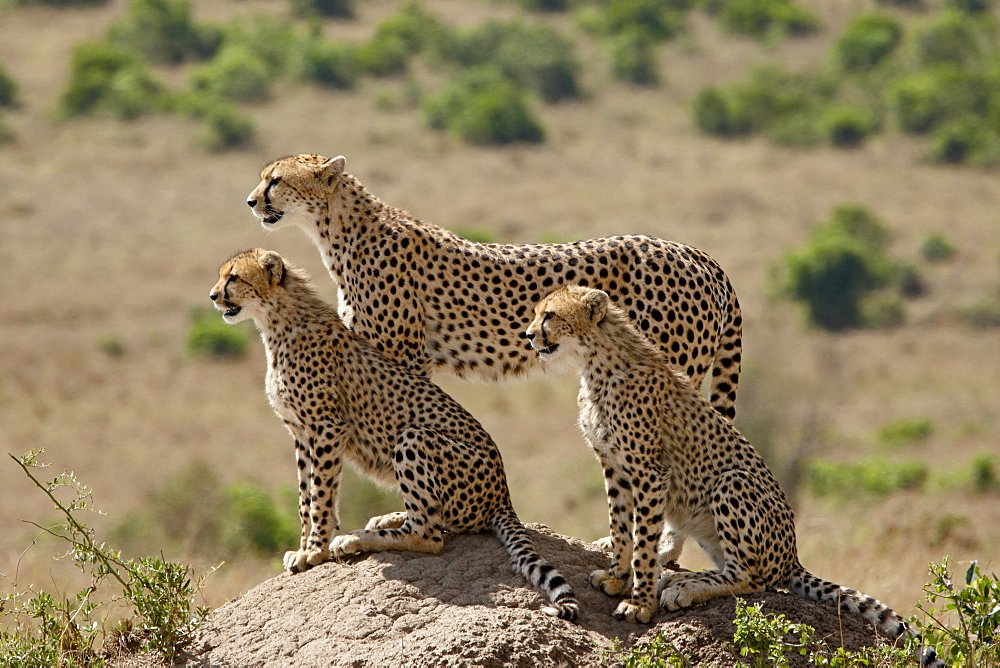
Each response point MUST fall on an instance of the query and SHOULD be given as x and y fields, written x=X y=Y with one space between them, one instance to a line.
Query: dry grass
x=114 y=229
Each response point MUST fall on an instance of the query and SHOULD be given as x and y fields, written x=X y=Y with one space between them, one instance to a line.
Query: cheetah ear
x=597 y=303
x=332 y=168
x=273 y=266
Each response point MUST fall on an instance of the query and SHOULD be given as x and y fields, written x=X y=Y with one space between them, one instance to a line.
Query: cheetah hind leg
x=387 y=521
x=420 y=528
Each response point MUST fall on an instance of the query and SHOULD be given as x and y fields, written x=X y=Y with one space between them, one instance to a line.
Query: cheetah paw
x=607 y=543
x=609 y=583
x=390 y=521
x=632 y=612
x=345 y=546
x=297 y=561
x=676 y=598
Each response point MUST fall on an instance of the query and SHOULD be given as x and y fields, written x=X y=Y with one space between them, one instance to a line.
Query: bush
x=329 y=64
x=658 y=20
x=536 y=57
x=8 y=90
x=936 y=247
x=483 y=107
x=633 y=58
x=837 y=269
x=275 y=44
x=226 y=128
x=382 y=55
x=760 y=18
x=973 y=637
x=163 y=31
x=867 y=41
x=964 y=140
x=544 y=5
x=209 y=335
x=846 y=127
x=254 y=523
x=950 y=37
x=768 y=96
x=417 y=29
x=104 y=76
x=236 y=73
x=905 y=432
x=874 y=477
x=341 y=9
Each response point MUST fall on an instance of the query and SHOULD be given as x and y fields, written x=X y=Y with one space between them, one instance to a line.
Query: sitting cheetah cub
x=670 y=460
x=343 y=400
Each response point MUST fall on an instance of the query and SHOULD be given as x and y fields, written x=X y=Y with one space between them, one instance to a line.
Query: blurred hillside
x=116 y=217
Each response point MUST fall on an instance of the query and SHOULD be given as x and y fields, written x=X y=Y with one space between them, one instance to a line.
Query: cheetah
x=341 y=399
x=673 y=465
x=438 y=302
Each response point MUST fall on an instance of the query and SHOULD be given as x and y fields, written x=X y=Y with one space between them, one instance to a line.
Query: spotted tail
x=540 y=573
x=882 y=617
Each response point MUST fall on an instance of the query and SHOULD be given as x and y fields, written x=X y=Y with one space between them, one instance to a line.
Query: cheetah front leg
x=420 y=529
x=319 y=467
x=649 y=500
x=617 y=580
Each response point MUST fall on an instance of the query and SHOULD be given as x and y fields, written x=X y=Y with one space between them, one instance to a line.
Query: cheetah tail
x=881 y=616
x=727 y=362
x=540 y=573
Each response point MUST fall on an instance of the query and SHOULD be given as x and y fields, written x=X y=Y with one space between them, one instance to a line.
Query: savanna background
x=124 y=179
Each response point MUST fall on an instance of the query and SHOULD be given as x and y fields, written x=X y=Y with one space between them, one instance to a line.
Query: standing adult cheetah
x=434 y=300
x=341 y=399
x=670 y=460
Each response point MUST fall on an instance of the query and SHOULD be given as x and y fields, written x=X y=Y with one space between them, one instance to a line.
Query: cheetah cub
x=672 y=461
x=341 y=400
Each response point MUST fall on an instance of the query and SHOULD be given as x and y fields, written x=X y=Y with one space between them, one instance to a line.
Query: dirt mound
x=465 y=606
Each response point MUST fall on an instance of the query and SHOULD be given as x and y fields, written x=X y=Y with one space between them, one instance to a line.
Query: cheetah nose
x=213 y=296
x=529 y=335
x=251 y=203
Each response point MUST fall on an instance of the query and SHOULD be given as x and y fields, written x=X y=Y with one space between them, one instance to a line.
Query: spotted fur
x=436 y=301
x=673 y=465
x=341 y=400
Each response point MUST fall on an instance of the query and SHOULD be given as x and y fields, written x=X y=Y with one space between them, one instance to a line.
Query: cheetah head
x=246 y=281
x=563 y=317
x=294 y=190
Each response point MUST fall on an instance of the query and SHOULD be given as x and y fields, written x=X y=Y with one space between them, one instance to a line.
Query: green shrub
x=163 y=31
x=544 y=5
x=766 y=97
x=964 y=140
x=536 y=57
x=983 y=473
x=45 y=630
x=982 y=315
x=718 y=112
x=341 y=9
x=254 y=523
x=873 y=477
x=928 y=99
x=417 y=28
x=867 y=41
x=482 y=106
x=226 y=128
x=760 y=18
x=972 y=638
x=104 y=76
x=274 y=43
x=236 y=73
x=659 y=20
x=209 y=335
x=936 y=247
x=8 y=90
x=383 y=55
x=837 y=269
x=970 y=6
x=904 y=432
x=949 y=37
x=330 y=64
x=633 y=58
x=846 y=126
